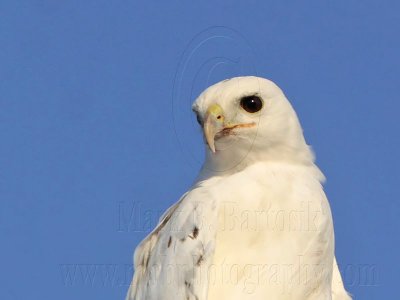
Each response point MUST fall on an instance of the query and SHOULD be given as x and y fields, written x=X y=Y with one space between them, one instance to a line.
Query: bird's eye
x=198 y=118
x=251 y=104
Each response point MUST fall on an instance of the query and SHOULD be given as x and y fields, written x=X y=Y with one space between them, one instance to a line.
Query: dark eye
x=251 y=104
x=198 y=118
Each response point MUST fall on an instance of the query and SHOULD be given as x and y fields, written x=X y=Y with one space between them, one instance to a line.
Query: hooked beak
x=213 y=123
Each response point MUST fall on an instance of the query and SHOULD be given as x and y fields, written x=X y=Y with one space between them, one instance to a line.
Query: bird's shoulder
x=169 y=260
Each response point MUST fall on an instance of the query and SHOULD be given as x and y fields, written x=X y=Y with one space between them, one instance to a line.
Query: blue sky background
x=95 y=124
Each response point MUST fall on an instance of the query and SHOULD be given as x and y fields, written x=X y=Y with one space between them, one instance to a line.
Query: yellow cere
x=216 y=111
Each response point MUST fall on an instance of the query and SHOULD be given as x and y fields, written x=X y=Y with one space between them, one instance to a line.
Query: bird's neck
x=228 y=162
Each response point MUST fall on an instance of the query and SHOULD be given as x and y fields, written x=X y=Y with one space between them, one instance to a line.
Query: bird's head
x=248 y=119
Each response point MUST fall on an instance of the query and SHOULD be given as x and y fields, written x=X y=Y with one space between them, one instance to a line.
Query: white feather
x=256 y=225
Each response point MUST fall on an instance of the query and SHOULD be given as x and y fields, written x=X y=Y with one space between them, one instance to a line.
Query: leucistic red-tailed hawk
x=256 y=224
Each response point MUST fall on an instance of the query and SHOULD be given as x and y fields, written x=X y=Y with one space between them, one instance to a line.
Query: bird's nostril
x=219 y=117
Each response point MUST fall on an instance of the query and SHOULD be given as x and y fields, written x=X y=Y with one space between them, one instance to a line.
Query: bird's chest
x=264 y=224
x=255 y=210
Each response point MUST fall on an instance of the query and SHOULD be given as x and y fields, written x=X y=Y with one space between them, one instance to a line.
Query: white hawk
x=256 y=224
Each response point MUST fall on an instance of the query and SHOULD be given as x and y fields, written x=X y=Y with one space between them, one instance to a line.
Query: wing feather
x=172 y=260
